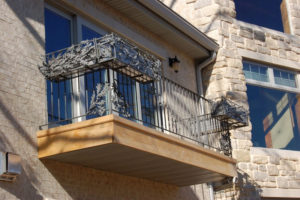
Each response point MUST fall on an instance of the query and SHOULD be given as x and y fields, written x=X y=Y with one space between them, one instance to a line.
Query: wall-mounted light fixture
x=174 y=63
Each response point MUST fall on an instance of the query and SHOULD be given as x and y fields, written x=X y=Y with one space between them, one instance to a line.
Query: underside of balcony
x=122 y=146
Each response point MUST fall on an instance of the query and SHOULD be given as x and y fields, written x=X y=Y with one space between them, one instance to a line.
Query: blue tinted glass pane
x=263 y=70
x=292 y=76
x=58 y=36
x=55 y=116
x=62 y=106
x=147 y=104
x=254 y=68
x=88 y=34
x=276 y=73
x=246 y=67
x=57 y=30
x=284 y=75
x=273 y=114
x=68 y=98
x=284 y=78
x=255 y=72
x=49 y=101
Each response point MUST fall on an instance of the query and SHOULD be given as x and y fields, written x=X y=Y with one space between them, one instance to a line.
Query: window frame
x=271 y=83
x=78 y=81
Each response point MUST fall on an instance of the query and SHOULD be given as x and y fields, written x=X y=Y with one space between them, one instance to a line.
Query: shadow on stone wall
x=29 y=13
x=25 y=186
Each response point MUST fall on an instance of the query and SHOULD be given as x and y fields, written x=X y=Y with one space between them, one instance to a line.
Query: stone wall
x=290 y=10
x=274 y=168
x=240 y=41
x=23 y=109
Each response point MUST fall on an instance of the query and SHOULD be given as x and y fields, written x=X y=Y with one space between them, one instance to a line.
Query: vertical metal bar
x=138 y=102
x=65 y=99
x=86 y=87
x=58 y=101
x=52 y=109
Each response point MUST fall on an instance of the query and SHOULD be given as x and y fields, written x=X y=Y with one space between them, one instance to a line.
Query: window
x=274 y=106
x=69 y=100
x=58 y=36
x=256 y=72
x=264 y=13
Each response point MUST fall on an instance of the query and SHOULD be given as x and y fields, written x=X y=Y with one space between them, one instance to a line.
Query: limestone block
x=264 y=50
x=283 y=45
x=274 y=160
x=259 y=159
x=243 y=166
x=244 y=144
x=271 y=43
x=274 y=53
x=241 y=155
x=238 y=87
x=250 y=45
x=236 y=38
x=272 y=170
x=201 y=21
x=292 y=55
x=283 y=172
x=242 y=135
x=259 y=35
x=209 y=10
x=287 y=165
x=294 y=184
x=262 y=168
x=298 y=168
x=270 y=184
x=282 y=53
x=282 y=182
x=272 y=179
x=201 y=4
x=190 y=1
x=297 y=175
x=246 y=32
x=260 y=176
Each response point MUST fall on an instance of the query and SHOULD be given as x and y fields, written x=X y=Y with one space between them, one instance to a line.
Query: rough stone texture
x=23 y=109
x=22 y=102
x=290 y=10
x=225 y=78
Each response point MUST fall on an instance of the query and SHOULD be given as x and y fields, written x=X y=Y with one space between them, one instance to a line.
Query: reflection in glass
x=58 y=36
x=284 y=78
x=255 y=71
x=275 y=118
x=88 y=34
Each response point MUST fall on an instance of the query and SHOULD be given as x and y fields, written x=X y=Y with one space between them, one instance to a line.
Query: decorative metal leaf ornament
x=98 y=100
x=109 y=51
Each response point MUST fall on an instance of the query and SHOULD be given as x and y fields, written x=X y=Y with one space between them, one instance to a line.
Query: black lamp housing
x=174 y=63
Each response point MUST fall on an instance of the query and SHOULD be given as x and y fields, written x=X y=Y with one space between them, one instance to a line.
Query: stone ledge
x=280 y=193
x=266 y=30
x=269 y=59
x=287 y=154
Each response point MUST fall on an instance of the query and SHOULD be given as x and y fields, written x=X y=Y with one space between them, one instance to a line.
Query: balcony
x=109 y=108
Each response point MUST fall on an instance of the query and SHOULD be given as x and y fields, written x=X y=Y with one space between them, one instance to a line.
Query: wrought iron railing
x=109 y=50
x=111 y=76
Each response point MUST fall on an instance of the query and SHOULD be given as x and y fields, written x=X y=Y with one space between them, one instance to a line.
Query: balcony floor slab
x=122 y=146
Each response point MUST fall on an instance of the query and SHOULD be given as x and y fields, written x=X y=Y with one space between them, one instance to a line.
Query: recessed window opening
x=264 y=13
x=274 y=106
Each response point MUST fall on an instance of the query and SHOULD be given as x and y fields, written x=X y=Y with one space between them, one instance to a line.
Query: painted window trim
x=271 y=83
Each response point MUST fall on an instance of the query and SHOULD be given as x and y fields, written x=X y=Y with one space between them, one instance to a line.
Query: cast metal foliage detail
x=110 y=51
x=98 y=104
